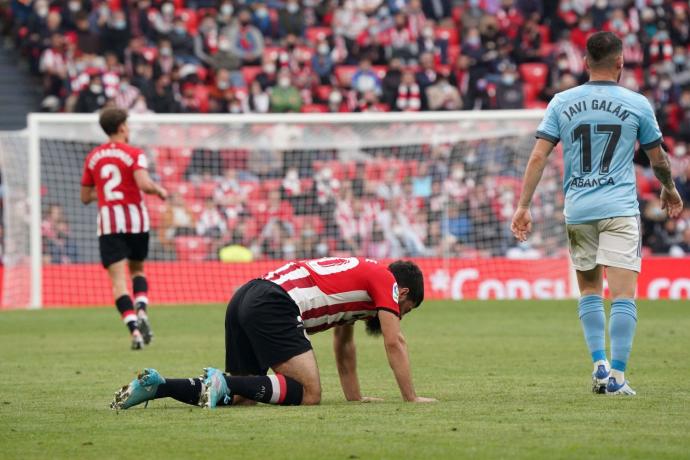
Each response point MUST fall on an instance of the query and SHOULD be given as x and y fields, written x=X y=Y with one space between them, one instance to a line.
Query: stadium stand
x=198 y=56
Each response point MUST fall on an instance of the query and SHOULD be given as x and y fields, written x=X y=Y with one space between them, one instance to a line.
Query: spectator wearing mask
x=291 y=19
x=321 y=62
x=182 y=43
x=365 y=79
x=128 y=97
x=163 y=20
x=509 y=93
x=92 y=98
x=285 y=97
x=259 y=100
x=401 y=41
x=246 y=41
x=268 y=76
x=115 y=36
x=206 y=40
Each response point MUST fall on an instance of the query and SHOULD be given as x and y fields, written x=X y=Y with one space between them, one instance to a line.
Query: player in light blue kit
x=599 y=124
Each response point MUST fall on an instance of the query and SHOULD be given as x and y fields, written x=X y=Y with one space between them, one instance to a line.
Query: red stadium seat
x=250 y=72
x=322 y=92
x=313 y=34
x=344 y=73
x=545 y=32
x=534 y=73
x=314 y=108
x=192 y=248
x=190 y=20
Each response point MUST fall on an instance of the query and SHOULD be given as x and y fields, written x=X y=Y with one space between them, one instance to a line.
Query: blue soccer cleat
x=215 y=389
x=615 y=388
x=600 y=378
x=141 y=389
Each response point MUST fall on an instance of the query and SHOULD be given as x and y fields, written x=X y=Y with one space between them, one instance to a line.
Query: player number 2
x=583 y=133
x=112 y=173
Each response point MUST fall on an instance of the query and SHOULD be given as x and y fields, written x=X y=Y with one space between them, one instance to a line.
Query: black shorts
x=263 y=328
x=118 y=246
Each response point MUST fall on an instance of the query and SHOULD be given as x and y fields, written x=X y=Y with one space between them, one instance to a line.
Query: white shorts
x=614 y=242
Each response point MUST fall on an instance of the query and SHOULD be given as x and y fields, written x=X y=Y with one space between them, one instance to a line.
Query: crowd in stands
x=239 y=56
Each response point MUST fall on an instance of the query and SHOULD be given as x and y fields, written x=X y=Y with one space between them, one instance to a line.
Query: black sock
x=126 y=308
x=183 y=390
x=269 y=389
x=141 y=290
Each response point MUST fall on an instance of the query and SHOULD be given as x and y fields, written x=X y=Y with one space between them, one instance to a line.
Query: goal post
x=248 y=191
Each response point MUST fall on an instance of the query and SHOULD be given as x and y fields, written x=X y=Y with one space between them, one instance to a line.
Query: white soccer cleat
x=615 y=388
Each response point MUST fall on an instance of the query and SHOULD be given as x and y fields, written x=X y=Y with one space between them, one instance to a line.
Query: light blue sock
x=593 y=319
x=622 y=330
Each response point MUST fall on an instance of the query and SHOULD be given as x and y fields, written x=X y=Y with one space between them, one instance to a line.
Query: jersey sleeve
x=87 y=178
x=649 y=133
x=383 y=291
x=548 y=128
x=140 y=160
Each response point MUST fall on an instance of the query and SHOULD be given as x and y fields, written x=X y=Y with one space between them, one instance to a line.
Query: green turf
x=512 y=379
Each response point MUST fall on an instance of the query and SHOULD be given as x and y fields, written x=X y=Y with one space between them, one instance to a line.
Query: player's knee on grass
x=304 y=370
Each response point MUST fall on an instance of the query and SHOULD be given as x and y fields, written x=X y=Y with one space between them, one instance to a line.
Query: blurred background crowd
x=234 y=56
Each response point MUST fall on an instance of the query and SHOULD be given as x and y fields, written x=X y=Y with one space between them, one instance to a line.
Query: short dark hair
x=111 y=119
x=408 y=275
x=603 y=48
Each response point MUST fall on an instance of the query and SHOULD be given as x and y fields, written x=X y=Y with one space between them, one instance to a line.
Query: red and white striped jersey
x=334 y=291
x=110 y=168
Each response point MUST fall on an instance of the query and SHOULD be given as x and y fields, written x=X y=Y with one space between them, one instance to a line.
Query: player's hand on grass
x=671 y=202
x=422 y=399
x=522 y=223
x=369 y=399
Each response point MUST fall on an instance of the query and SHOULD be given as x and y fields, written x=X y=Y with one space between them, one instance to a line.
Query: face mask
x=474 y=3
x=585 y=26
x=180 y=30
x=168 y=9
x=473 y=41
x=270 y=68
x=508 y=79
x=665 y=84
x=428 y=33
x=631 y=39
x=42 y=12
x=74 y=6
x=680 y=150
x=617 y=23
x=323 y=49
x=226 y=10
x=124 y=86
x=223 y=85
x=562 y=65
x=261 y=12
x=292 y=8
x=679 y=59
x=662 y=36
x=284 y=82
x=120 y=24
x=166 y=52
x=95 y=88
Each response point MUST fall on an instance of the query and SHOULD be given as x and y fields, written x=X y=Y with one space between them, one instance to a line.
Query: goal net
x=247 y=192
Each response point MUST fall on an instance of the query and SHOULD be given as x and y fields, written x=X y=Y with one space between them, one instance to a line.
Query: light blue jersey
x=599 y=123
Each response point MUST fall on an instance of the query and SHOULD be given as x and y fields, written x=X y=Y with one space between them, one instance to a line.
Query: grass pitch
x=512 y=379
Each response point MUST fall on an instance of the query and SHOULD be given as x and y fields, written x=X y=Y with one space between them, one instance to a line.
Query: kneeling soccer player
x=266 y=327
